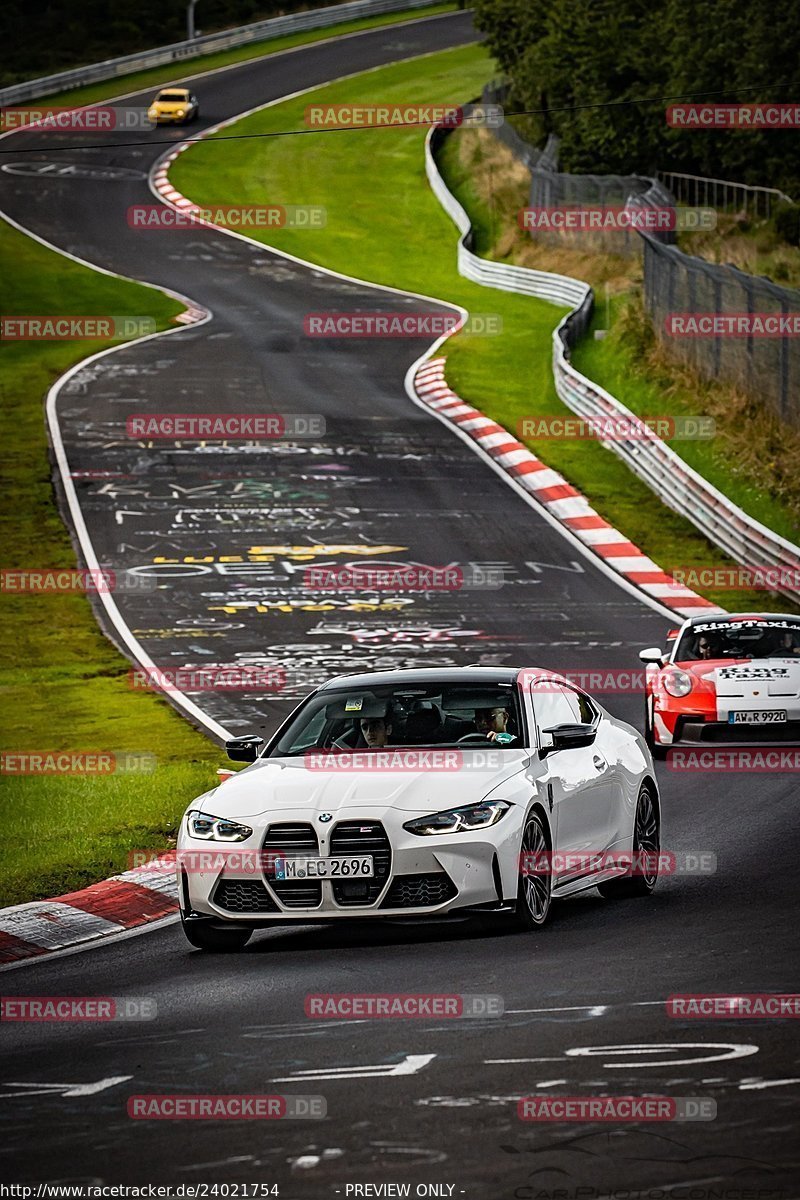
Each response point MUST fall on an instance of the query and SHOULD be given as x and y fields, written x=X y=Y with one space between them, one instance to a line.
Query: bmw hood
x=280 y=785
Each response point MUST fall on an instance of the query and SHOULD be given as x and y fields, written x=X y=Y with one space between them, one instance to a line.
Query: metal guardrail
x=746 y=540
x=702 y=190
x=226 y=39
x=559 y=289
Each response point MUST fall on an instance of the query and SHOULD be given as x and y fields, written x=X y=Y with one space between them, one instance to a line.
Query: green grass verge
x=107 y=89
x=385 y=225
x=63 y=686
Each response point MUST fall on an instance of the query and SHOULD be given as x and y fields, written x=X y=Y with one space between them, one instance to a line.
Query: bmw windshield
x=357 y=718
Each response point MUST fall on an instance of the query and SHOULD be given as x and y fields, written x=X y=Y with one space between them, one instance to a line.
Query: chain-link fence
x=722 y=322
x=685 y=296
x=552 y=190
x=530 y=156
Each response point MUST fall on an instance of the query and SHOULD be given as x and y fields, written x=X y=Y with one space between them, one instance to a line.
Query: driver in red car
x=704 y=648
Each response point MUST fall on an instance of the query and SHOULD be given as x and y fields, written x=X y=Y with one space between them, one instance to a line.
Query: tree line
x=40 y=37
x=597 y=73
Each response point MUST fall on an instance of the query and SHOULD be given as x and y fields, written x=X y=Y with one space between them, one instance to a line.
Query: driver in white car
x=491 y=721
x=376 y=731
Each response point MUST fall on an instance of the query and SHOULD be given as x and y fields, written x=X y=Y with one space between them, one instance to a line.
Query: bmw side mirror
x=568 y=737
x=244 y=749
x=652 y=655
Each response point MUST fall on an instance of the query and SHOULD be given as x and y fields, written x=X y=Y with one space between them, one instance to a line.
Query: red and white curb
x=162 y=184
x=560 y=498
x=122 y=902
x=167 y=192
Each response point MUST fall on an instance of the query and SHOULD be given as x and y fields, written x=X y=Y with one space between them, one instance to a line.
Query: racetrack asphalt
x=385 y=473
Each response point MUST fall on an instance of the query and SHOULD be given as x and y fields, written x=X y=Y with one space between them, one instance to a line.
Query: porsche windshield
x=740 y=639
x=430 y=714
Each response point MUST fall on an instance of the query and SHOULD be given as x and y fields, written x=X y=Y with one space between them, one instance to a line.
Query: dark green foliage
x=40 y=37
x=568 y=58
x=787 y=223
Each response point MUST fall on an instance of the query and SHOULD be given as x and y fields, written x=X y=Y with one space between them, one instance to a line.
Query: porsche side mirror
x=652 y=655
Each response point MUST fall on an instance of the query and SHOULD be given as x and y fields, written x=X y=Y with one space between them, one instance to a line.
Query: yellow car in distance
x=174 y=106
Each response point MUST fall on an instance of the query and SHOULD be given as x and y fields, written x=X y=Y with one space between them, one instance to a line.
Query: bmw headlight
x=677 y=683
x=459 y=820
x=216 y=829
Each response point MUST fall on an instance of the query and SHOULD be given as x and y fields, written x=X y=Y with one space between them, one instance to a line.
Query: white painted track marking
x=411 y=1065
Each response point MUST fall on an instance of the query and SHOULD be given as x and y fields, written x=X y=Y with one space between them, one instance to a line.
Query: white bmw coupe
x=419 y=793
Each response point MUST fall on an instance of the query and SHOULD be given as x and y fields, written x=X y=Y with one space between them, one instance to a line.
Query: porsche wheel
x=646 y=846
x=534 y=892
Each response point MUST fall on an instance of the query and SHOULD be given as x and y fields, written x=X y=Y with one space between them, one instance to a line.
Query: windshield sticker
x=758 y=622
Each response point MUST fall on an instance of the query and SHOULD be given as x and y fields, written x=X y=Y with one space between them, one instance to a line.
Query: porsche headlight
x=216 y=829
x=180 y=112
x=459 y=820
x=677 y=683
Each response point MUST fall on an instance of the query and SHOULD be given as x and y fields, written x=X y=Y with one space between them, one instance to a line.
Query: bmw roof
x=422 y=675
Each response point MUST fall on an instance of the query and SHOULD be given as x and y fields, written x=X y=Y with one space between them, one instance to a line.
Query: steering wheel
x=471 y=737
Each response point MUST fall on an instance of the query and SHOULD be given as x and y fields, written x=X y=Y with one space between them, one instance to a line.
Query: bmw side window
x=585 y=712
x=552 y=706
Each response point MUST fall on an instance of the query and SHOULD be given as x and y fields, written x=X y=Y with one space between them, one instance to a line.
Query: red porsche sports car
x=731 y=678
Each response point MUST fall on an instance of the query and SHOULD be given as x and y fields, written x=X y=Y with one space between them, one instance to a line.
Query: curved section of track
x=229 y=533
